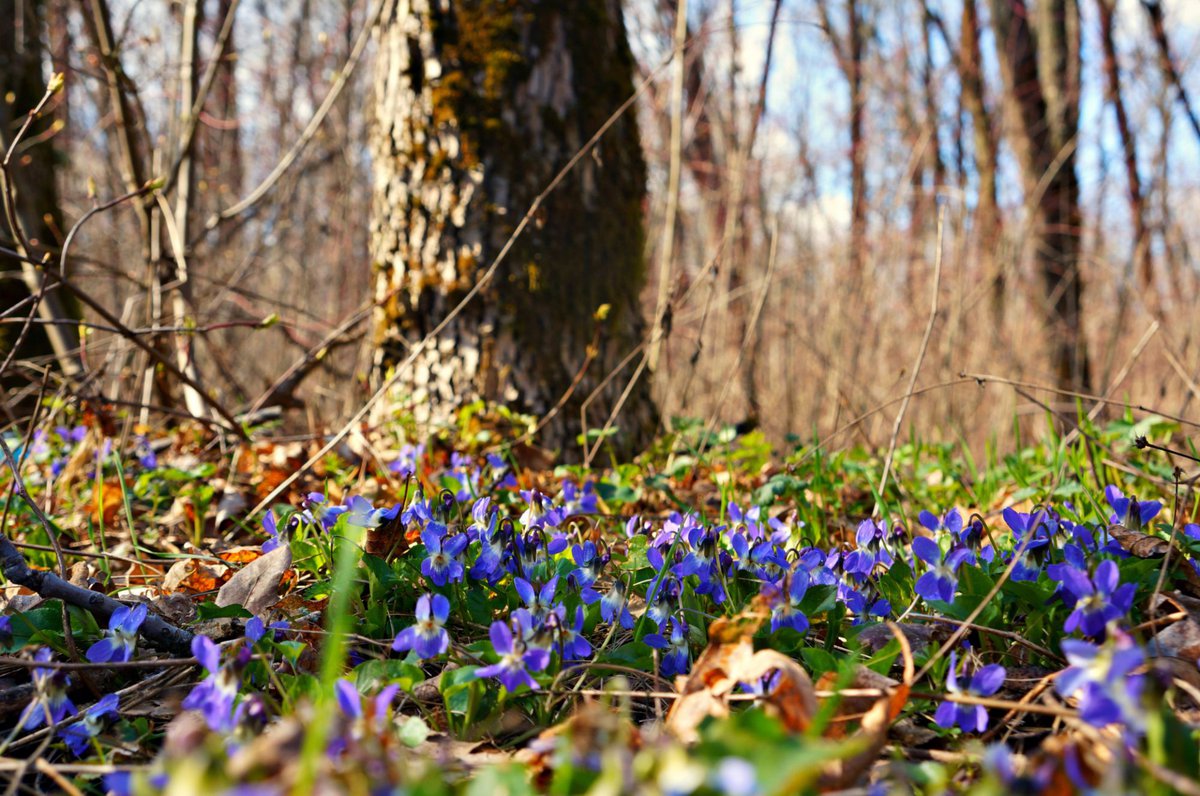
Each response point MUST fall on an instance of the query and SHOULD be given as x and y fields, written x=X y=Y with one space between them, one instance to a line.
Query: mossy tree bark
x=479 y=103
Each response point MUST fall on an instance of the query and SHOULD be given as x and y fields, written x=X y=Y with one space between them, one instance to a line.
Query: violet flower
x=1101 y=678
x=515 y=658
x=1097 y=600
x=79 y=734
x=984 y=683
x=941 y=579
x=675 y=650
x=215 y=695
x=427 y=638
x=1128 y=511
x=612 y=604
x=441 y=565
x=785 y=604
x=51 y=704
x=123 y=625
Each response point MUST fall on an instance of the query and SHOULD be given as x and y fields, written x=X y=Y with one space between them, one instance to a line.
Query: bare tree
x=1040 y=60
x=1143 y=262
x=850 y=48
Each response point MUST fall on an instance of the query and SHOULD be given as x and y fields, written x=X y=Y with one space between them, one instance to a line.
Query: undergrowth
x=715 y=617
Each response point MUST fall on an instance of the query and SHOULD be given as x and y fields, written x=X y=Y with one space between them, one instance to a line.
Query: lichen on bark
x=479 y=105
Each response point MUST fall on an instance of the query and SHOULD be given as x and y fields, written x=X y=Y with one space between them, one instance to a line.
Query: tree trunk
x=987 y=214
x=1143 y=262
x=479 y=104
x=35 y=192
x=1041 y=68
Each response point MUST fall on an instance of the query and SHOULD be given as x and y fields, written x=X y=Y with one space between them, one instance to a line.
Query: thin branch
x=52 y=587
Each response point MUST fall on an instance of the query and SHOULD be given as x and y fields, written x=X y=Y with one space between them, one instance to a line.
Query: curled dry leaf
x=877 y=721
x=1139 y=544
x=1180 y=639
x=853 y=705
x=192 y=576
x=257 y=586
x=730 y=659
x=1143 y=545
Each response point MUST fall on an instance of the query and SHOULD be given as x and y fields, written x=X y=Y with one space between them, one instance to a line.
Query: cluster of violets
x=467 y=539
x=487 y=545
x=56 y=447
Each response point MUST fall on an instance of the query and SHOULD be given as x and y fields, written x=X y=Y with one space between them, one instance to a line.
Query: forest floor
x=714 y=617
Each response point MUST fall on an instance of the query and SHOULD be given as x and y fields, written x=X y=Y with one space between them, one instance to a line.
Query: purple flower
x=972 y=718
x=1034 y=527
x=612 y=604
x=318 y=513
x=406 y=462
x=359 y=513
x=215 y=695
x=871 y=538
x=255 y=629
x=950 y=521
x=861 y=606
x=540 y=512
x=123 y=625
x=578 y=501
x=442 y=565
x=427 y=638
x=1100 y=676
x=270 y=525
x=540 y=602
x=1097 y=600
x=941 y=579
x=785 y=604
x=51 y=705
x=501 y=474
x=575 y=646
x=515 y=657
x=589 y=563
x=147 y=458
x=492 y=541
x=79 y=734
x=1128 y=511
x=675 y=655
x=366 y=715
x=735 y=776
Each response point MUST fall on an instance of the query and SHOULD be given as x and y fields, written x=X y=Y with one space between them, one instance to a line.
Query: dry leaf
x=230 y=504
x=106 y=503
x=730 y=659
x=1139 y=544
x=256 y=587
x=192 y=576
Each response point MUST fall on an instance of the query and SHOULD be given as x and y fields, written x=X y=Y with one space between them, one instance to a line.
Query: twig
x=51 y=586
x=912 y=380
x=1015 y=637
x=314 y=124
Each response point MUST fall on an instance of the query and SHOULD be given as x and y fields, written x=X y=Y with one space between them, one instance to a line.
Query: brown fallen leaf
x=191 y=576
x=876 y=723
x=730 y=659
x=1139 y=544
x=256 y=587
x=1145 y=546
x=1180 y=639
x=853 y=706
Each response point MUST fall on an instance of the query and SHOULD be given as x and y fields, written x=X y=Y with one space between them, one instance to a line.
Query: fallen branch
x=49 y=586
